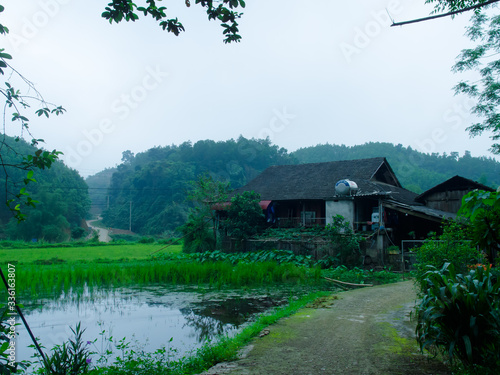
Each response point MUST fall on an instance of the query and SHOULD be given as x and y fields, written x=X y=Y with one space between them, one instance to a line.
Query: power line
x=106 y=189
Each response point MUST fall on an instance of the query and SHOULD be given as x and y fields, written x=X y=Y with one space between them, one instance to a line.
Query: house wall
x=449 y=201
x=289 y=213
x=340 y=207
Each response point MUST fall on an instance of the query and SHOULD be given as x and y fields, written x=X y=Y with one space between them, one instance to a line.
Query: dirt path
x=103 y=233
x=364 y=332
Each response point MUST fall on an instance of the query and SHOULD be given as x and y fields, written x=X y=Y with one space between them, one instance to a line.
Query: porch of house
x=295 y=214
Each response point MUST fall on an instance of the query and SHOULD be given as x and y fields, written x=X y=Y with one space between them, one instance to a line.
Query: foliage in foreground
x=482 y=210
x=459 y=316
x=72 y=357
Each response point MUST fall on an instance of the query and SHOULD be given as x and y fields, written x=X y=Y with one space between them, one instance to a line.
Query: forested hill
x=61 y=192
x=415 y=170
x=151 y=187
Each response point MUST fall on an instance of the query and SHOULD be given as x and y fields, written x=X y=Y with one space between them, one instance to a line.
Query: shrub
x=197 y=235
x=72 y=357
x=77 y=233
x=345 y=240
x=459 y=315
x=450 y=247
x=244 y=216
x=146 y=240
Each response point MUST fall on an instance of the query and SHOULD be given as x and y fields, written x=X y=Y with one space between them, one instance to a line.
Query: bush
x=125 y=237
x=244 y=216
x=345 y=240
x=197 y=235
x=459 y=315
x=450 y=247
x=77 y=233
x=147 y=240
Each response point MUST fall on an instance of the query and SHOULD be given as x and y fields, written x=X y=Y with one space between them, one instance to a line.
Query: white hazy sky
x=306 y=72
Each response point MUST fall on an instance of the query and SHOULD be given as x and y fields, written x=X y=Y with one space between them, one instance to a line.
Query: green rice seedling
x=59 y=277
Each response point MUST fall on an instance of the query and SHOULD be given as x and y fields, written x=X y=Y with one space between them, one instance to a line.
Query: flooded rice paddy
x=180 y=319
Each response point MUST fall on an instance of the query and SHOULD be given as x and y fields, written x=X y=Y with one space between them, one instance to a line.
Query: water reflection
x=148 y=317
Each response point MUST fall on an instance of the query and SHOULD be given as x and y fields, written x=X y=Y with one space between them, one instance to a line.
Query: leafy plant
x=482 y=209
x=345 y=240
x=70 y=358
x=459 y=315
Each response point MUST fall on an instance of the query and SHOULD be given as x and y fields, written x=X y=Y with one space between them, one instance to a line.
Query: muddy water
x=178 y=318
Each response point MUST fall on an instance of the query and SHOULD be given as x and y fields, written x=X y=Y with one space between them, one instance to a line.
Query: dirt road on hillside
x=363 y=332
x=103 y=233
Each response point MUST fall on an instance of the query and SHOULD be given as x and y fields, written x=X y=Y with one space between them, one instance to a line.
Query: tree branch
x=445 y=14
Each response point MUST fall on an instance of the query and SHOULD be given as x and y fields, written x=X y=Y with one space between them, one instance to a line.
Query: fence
x=296 y=222
x=408 y=256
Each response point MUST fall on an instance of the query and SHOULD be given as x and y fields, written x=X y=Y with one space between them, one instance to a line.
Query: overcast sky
x=306 y=72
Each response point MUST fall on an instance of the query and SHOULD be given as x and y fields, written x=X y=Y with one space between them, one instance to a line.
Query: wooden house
x=447 y=196
x=371 y=198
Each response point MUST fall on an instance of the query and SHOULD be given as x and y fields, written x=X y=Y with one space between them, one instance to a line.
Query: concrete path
x=366 y=331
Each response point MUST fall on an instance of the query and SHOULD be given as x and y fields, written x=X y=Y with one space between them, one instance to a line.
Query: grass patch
x=83 y=253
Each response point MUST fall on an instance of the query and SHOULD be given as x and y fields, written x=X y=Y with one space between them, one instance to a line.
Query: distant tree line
x=415 y=170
